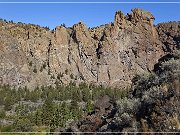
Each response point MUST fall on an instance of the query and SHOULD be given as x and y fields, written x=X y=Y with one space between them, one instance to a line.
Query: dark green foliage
x=20 y=23
x=47 y=111
x=59 y=76
x=47 y=28
x=38 y=117
x=2 y=113
x=52 y=31
x=22 y=125
x=53 y=107
x=11 y=21
x=52 y=77
x=35 y=70
x=66 y=71
x=151 y=106
x=44 y=66
x=57 y=105
x=30 y=63
x=89 y=106
x=7 y=128
x=71 y=76
x=49 y=71
x=41 y=69
x=63 y=24
x=74 y=108
x=9 y=101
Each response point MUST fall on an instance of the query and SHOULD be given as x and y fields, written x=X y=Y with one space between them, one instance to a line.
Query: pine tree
x=22 y=125
x=89 y=106
x=47 y=111
x=66 y=113
x=38 y=117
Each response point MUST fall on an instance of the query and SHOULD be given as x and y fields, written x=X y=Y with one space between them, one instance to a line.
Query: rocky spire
x=119 y=19
x=139 y=15
x=107 y=55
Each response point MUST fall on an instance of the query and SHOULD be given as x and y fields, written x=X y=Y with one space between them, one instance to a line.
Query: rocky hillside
x=152 y=106
x=110 y=54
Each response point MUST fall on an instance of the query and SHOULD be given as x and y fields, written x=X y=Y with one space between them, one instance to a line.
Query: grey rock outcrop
x=152 y=106
x=107 y=55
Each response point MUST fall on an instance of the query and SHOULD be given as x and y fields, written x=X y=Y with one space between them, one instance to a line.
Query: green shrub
x=71 y=76
x=41 y=69
x=59 y=76
x=52 y=77
x=44 y=66
x=66 y=71
x=22 y=125
x=7 y=128
x=35 y=70
x=30 y=63
x=2 y=113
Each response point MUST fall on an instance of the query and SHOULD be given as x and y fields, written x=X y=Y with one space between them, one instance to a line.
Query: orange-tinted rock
x=109 y=54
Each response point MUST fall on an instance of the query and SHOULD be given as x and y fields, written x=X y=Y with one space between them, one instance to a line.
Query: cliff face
x=109 y=55
x=152 y=104
x=169 y=34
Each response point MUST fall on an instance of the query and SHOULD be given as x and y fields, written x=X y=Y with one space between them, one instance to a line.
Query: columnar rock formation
x=109 y=55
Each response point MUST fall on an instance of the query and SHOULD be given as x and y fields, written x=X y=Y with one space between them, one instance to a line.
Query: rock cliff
x=152 y=105
x=110 y=54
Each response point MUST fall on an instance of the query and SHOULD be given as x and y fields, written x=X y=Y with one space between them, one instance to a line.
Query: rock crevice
x=110 y=54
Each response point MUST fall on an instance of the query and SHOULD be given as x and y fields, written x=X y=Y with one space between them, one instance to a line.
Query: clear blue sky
x=53 y=15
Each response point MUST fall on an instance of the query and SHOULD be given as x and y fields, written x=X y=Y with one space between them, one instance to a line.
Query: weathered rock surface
x=169 y=34
x=109 y=55
x=152 y=106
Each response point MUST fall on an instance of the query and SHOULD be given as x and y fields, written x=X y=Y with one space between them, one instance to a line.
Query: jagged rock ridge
x=109 y=55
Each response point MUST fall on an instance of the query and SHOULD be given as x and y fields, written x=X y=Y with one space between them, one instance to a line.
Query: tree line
x=48 y=106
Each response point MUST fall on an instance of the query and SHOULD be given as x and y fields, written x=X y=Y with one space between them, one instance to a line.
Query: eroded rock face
x=109 y=55
x=152 y=105
x=169 y=34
